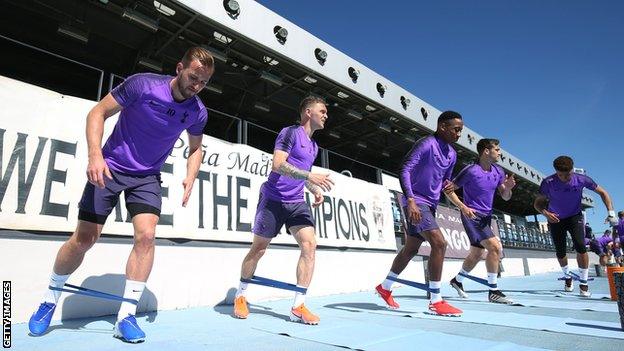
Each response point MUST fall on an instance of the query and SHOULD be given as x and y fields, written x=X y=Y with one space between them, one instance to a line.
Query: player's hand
x=611 y=219
x=509 y=182
x=550 y=216
x=448 y=186
x=413 y=212
x=188 y=187
x=468 y=212
x=318 y=199
x=96 y=170
x=321 y=180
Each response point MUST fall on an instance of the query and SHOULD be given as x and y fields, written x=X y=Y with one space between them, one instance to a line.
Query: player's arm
x=505 y=188
x=195 y=155
x=317 y=192
x=313 y=188
x=192 y=165
x=409 y=163
x=411 y=160
x=540 y=204
x=97 y=168
x=467 y=211
x=606 y=199
x=281 y=166
x=459 y=181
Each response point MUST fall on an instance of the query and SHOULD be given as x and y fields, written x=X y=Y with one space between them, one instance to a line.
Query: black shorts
x=575 y=225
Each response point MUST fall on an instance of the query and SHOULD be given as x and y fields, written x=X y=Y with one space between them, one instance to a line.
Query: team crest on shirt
x=310 y=149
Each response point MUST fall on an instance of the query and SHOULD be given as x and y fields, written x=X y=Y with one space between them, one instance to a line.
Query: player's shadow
x=531 y=292
x=593 y=326
x=79 y=310
x=411 y=297
x=359 y=307
x=226 y=307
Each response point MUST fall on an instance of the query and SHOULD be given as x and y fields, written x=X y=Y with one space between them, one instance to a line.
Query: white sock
x=435 y=297
x=134 y=290
x=242 y=289
x=299 y=298
x=459 y=277
x=387 y=283
x=57 y=281
x=584 y=274
x=493 y=280
x=565 y=270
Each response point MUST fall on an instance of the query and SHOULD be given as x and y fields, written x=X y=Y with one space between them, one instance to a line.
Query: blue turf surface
x=543 y=318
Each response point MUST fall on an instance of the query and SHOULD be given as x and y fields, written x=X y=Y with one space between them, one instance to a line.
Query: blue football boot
x=40 y=320
x=128 y=330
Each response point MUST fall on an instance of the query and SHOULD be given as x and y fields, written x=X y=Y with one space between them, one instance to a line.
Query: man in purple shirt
x=480 y=181
x=618 y=239
x=560 y=202
x=425 y=169
x=282 y=203
x=155 y=110
x=602 y=247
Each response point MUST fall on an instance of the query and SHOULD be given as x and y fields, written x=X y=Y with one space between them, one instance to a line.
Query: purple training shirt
x=149 y=124
x=479 y=186
x=620 y=229
x=605 y=240
x=425 y=168
x=565 y=198
x=302 y=152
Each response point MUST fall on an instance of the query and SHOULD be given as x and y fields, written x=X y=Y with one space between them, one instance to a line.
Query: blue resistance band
x=416 y=285
x=93 y=293
x=574 y=276
x=478 y=280
x=274 y=284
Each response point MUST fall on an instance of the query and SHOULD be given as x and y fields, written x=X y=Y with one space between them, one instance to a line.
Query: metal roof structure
x=265 y=66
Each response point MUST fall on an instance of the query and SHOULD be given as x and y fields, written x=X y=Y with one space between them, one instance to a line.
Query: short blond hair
x=200 y=54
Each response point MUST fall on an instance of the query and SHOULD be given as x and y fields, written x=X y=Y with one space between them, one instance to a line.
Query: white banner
x=42 y=175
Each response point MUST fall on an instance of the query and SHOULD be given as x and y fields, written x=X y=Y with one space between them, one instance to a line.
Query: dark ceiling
x=115 y=45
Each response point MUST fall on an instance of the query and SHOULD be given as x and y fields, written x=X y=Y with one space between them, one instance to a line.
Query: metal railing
x=522 y=237
x=99 y=72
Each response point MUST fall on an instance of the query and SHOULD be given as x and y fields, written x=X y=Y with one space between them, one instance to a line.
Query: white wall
x=186 y=276
x=544 y=265
x=182 y=276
